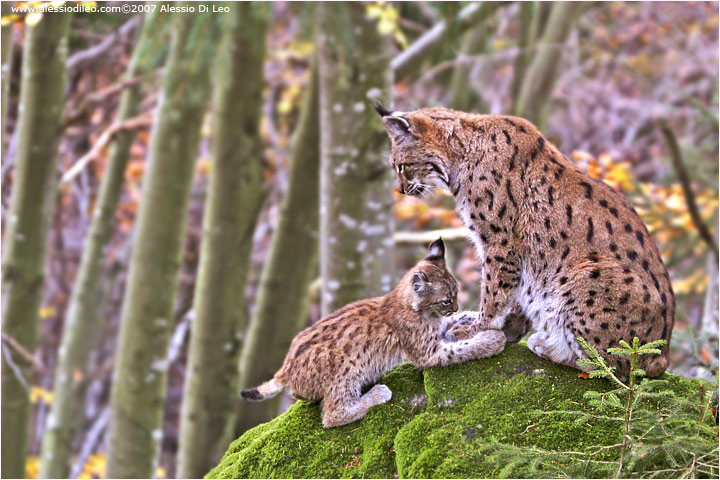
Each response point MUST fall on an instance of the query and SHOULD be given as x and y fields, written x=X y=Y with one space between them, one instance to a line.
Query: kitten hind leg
x=347 y=410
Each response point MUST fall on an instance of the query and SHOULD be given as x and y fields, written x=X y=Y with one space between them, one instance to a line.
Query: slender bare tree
x=71 y=376
x=7 y=48
x=541 y=73
x=355 y=182
x=234 y=199
x=282 y=302
x=42 y=97
x=138 y=391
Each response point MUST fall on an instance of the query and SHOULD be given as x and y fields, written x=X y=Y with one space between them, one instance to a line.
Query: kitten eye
x=400 y=168
x=445 y=302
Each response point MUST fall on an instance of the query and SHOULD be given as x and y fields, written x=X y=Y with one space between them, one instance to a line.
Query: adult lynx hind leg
x=516 y=326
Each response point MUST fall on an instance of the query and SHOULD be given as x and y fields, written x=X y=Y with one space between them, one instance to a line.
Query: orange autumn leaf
x=583 y=375
x=135 y=170
x=705 y=354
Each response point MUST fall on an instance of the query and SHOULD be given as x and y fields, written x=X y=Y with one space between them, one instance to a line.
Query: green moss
x=296 y=445
x=513 y=399
x=499 y=399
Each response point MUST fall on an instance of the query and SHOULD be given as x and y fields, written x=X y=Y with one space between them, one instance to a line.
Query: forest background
x=182 y=192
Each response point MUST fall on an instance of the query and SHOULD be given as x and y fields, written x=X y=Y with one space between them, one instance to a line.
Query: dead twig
x=92 y=441
x=77 y=113
x=423 y=238
x=16 y=370
x=468 y=17
x=684 y=177
x=83 y=58
x=27 y=355
x=136 y=123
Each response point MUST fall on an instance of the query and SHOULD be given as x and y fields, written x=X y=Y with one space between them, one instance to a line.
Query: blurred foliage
x=387 y=17
x=94 y=467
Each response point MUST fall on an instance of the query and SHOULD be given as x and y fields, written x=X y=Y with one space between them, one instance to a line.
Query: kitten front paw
x=460 y=332
x=380 y=394
x=463 y=318
x=489 y=343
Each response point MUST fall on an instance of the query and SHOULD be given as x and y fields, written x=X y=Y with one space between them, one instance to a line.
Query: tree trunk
x=65 y=418
x=529 y=24
x=138 y=390
x=234 y=199
x=7 y=48
x=31 y=205
x=541 y=73
x=709 y=323
x=462 y=95
x=289 y=267
x=354 y=68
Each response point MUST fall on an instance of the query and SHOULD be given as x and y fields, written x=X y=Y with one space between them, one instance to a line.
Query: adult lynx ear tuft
x=436 y=250
x=395 y=124
x=382 y=111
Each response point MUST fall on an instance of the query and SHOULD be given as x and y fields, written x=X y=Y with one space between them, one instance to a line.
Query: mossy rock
x=439 y=424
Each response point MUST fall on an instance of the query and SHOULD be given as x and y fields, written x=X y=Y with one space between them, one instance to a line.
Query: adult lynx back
x=559 y=248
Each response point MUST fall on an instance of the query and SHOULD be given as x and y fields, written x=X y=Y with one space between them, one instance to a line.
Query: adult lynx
x=558 y=247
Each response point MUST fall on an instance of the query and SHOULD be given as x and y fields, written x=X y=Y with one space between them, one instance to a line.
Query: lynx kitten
x=333 y=359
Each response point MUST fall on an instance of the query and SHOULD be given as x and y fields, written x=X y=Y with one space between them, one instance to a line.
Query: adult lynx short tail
x=266 y=390
x=654 y=365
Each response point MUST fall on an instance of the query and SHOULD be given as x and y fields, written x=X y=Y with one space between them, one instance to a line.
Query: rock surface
x=438 y=424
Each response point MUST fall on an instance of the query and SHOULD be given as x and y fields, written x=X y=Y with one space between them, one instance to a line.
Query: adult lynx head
x=417 y=152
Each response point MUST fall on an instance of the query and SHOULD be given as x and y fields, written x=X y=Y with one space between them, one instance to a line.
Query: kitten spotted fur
x=563 y=254
x=353 y=347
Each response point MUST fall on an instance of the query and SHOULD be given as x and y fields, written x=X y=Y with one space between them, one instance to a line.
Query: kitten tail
x=264 y=391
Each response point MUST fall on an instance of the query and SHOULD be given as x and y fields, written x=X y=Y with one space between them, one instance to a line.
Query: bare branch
x=83 y=58
x=16 y=370
x=466 y=18
x=93 y=99
x=92 y=440
x=105 y=138
x=423 y=238
x=27 y=355
x=684 y=177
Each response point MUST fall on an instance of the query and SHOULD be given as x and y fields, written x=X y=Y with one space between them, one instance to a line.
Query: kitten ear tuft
x=436 y=250
x=419 y=281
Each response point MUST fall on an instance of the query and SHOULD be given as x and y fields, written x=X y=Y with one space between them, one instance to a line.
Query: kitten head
x=434 y=289
x=417 y=153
